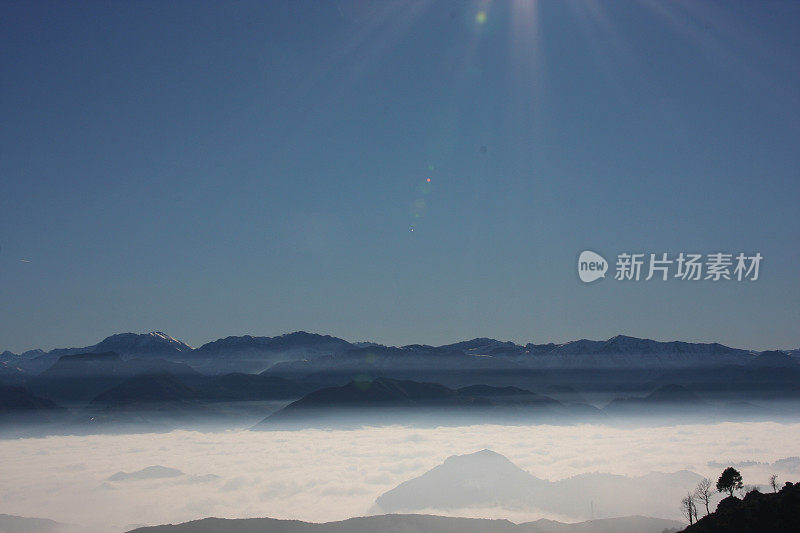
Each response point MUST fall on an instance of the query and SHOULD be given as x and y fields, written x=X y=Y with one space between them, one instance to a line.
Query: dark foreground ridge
x=397 y=523
x=755 y=513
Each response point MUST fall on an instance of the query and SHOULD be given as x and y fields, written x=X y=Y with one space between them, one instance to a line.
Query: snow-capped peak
x=163 y=336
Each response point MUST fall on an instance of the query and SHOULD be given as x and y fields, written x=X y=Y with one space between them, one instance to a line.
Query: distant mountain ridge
x=288 y=341
x=399 y=523
x=19 y=524
x=255 y=354
x=300 y=350
x=153 y=344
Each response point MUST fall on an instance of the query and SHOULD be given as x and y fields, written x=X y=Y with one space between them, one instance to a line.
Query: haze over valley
x=312 y=427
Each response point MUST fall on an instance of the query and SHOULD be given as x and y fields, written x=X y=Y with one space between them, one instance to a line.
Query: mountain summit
x=153 y=343
x=486 y=479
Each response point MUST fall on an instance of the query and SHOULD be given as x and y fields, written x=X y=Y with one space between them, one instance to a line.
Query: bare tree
x=703 y=492
x=689 y=509
x=773 y=482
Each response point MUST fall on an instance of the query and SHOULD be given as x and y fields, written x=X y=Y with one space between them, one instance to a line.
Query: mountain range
x=318 y=379
x=253 y=354
x=395 y=523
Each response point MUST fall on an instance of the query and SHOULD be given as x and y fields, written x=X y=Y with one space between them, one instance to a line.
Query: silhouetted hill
x=674 y=394
x=774 y=377
x=487 y=479
x=672 y=398
x=506 y=395
x=153 y=400
x=756 y=513
x=386 y=401
x=250 y=387
x=79 y=365
x=144 y=391
x=19 y=399
x=80 y=377
x=21 y=413
x=378 y=392
x=565 y=394
x=19 y=524
x=480 y=478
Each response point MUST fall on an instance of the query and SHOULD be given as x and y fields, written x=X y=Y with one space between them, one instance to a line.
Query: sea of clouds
x=318 y=475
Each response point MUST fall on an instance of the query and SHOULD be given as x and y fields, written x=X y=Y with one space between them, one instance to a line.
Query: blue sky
x=211 y=169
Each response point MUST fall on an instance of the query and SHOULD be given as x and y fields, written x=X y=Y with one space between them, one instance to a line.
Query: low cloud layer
x=319 y=475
